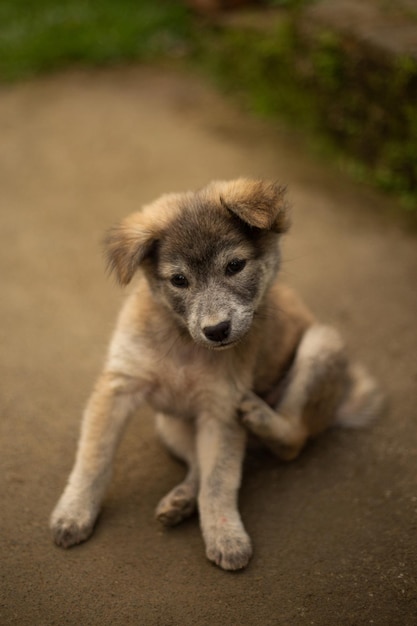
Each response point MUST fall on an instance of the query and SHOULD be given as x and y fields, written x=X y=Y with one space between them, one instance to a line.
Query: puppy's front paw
x=67 y=533
x=71 y=524
x=229 y=548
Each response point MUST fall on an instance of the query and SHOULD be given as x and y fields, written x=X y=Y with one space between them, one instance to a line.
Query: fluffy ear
x=258 y=203
x=127 y=245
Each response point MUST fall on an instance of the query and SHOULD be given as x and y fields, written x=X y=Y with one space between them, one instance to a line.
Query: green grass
x=43 y=35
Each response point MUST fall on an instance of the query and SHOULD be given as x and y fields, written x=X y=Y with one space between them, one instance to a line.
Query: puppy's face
x=212 y=270
x=209 y=256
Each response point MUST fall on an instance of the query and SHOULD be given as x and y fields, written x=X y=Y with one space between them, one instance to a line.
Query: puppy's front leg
x=107 y=411
x=220 y=452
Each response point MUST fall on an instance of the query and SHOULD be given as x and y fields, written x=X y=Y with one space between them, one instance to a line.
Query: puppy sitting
x=211 y=341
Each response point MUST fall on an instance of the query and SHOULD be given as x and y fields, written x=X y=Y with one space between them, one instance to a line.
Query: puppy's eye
x=235 y=266
x=179 y=280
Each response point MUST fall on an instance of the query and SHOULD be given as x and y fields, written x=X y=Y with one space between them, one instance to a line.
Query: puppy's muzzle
x=218 y=333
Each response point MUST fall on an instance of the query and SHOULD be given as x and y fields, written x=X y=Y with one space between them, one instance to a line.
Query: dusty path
x=335 y=533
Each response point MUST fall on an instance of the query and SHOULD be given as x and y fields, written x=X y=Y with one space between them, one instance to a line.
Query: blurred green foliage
x=361 y=109
x=41 y=35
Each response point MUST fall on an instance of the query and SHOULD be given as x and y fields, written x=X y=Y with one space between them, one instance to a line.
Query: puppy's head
x=209 y=256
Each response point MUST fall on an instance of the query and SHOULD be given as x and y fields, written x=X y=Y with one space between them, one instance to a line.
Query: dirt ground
x=334 y=533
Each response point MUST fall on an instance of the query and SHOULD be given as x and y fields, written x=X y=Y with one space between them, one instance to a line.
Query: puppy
x=217 y=347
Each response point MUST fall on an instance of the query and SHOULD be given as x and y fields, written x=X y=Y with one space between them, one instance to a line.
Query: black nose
x=219 y=332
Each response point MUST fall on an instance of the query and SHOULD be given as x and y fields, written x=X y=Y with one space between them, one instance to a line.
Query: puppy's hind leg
x=179 y=437
x=363 y=402
x=284 y=436
x=314 y=388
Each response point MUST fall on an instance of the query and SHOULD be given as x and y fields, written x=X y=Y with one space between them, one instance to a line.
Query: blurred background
x=344 y=71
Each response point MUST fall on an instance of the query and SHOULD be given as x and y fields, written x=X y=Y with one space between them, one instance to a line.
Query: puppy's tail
x=364 y=401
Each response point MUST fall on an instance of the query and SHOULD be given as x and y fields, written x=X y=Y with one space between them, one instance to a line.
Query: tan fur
x=273 y=371
x=243 y=195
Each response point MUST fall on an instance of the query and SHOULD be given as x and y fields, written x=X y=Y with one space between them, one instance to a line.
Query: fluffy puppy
x=216 y=346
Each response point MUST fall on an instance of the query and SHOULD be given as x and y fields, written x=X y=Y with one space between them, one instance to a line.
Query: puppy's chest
x=178 y=393
x=188 y=385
